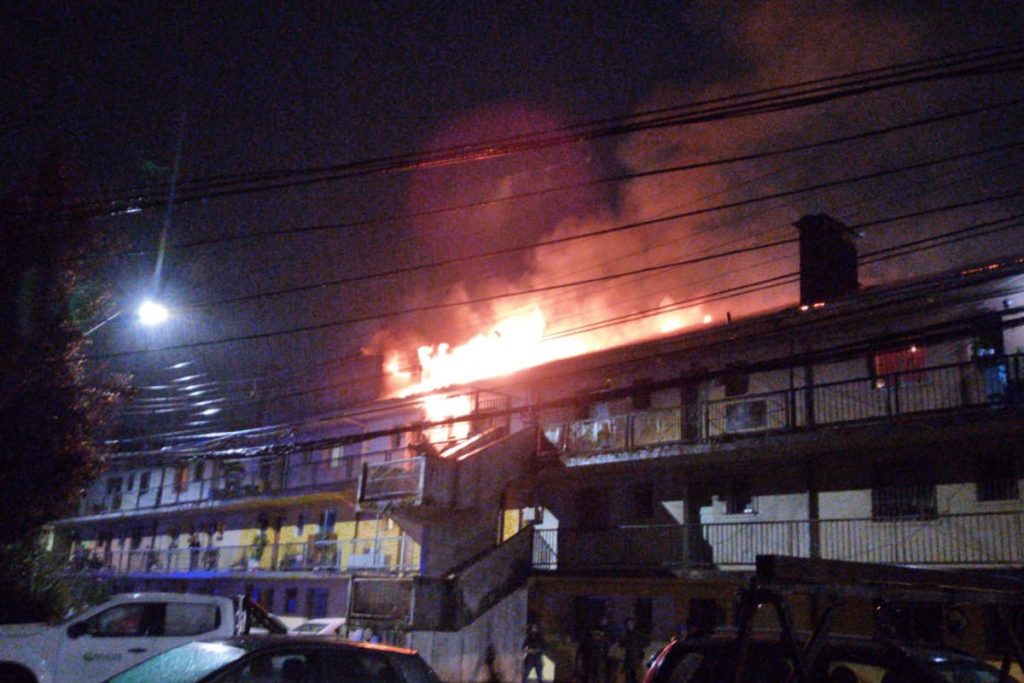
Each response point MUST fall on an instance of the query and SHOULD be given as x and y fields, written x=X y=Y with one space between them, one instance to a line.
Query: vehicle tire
x=14 y=673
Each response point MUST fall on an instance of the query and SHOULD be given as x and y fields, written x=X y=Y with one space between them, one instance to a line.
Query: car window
x=190 y=619
x=119 y=621
x=184 y=664
x=357 y=666
x=294 y=666
x=413 y=669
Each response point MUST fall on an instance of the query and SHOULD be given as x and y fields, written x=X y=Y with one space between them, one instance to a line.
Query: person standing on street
x=533 y=651
x=633 y=645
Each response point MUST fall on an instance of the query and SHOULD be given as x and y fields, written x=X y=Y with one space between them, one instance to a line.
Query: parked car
x=268 y=659
x=843 y=659
x=122 y=631
x=334 y=626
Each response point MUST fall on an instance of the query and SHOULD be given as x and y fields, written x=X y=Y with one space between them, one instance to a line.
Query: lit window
x=902 y=366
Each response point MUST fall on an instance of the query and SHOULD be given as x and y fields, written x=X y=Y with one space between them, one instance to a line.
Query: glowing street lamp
x=152 y=313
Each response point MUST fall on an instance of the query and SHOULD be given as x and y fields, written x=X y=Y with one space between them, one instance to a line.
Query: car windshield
x=964 y=671
x=185 y=664
x=311 y=627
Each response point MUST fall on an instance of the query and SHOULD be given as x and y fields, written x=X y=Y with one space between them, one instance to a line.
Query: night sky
x=127 y=92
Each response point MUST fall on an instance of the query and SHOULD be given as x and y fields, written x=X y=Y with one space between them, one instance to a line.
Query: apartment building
x=876 y=424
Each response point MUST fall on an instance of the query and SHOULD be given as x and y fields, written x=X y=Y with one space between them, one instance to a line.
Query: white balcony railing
x=997 y=382
x=386 y=554
x=990 y=539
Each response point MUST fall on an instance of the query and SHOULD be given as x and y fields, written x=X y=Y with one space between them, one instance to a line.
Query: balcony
x=382 y=555
x=237 y=481
x=461 y=477
x=991 y=539
x=934 y=390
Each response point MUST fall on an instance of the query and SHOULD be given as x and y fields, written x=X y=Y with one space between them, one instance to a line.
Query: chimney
x=828 y=260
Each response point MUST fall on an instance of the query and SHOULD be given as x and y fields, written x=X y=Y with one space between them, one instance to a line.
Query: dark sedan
x=269 y=659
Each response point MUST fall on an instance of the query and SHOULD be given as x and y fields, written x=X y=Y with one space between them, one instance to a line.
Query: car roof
x=259 y=642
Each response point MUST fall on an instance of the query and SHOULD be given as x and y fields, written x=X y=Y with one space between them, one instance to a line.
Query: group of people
x=600 y=658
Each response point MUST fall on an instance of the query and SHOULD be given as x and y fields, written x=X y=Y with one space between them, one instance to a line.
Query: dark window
x=130 y=482
x=642 y=394
x=736 y=384
x=997 y=480
x=143 y=483
x=113 y=485
x=643 y=614
x=267 y=599
x=704 y=614
x=316 y=603
x=739 y=501
x=903 y=366
x=643 y=502
x=291 y=600
x=896 y=495
x=300 y=524
x=199 y=471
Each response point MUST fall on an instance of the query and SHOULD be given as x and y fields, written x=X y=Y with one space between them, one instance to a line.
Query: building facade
x=879 y=424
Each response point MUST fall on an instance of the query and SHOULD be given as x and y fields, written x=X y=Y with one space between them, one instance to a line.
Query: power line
x=622 y=177
x=1008 y=58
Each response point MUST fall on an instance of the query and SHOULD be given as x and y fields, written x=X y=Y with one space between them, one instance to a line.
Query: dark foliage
x=49 y=413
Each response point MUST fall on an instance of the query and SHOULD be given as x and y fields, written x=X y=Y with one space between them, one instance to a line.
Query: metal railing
x=382 y=599
x=994 y=382
x=978 y=539
x=239 y=479
x=399 y=479
x=385 y=554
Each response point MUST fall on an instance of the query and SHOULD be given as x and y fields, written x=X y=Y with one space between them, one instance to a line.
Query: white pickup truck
x=120 y=633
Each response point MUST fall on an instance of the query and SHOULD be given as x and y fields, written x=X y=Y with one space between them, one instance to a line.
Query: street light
x=152 y=313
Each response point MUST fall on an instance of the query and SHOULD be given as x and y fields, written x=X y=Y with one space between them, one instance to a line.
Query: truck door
x=115 y=639
x=106 y=642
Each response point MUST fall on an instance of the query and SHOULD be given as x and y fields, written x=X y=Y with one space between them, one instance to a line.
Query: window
x=291 y=600
x=180 y=478
x=736 y=384
x=316 y=603
x=144 y=483
x=190 y=619
x=899 y=365
x=896 y=495
x=739 y=501
x=997 y=480
x=200 y=469
x=113 y=485
x=267 y=599
x=123 y=620
x=282 y=666
x=347 y=666
x=642 y=394
x=744 y=416
x=130 y=482
x=327 y=520
x=336 y=456
x=300 y=524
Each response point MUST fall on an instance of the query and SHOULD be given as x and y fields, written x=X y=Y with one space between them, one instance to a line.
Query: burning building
x=516 y=478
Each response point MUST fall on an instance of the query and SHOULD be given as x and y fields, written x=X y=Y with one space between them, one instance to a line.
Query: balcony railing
x=388 y=554
x=237 y=479
x=996 y=382
x=980 y=539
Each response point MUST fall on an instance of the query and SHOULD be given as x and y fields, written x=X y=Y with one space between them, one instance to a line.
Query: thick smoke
x=771 y=44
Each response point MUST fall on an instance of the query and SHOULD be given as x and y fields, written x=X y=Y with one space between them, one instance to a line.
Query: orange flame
x=518 y=342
